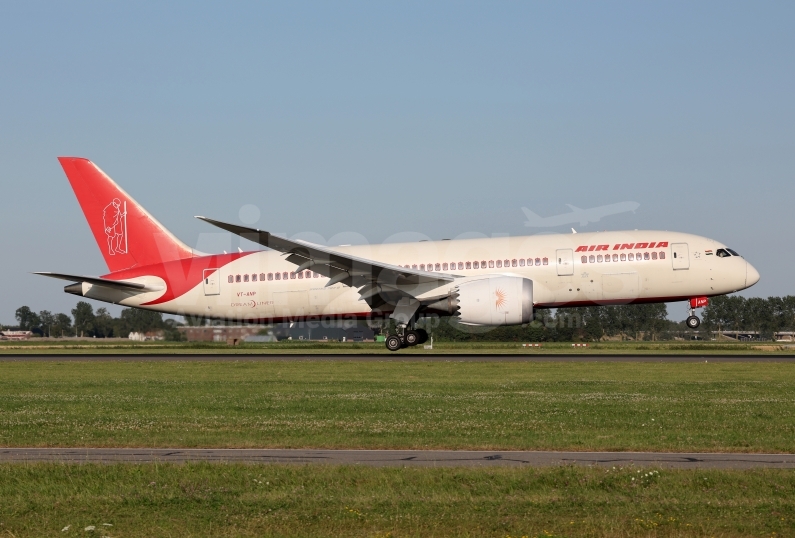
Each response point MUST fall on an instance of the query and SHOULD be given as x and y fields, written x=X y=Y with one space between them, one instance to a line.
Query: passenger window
x=315 y=275
x=270 y=276
x=631 y=257
x=615 y=257
x=460 y=265
x=301 y=275
x=521 y=262
x=591 y=259
x=284 y=275
x=584 y=259
x=499 y=263
x=599 y=258
x=623 y=257
x=292 y=275
x=653 y=255
x=662 y=255
x=237 y=278
x=245 y=278
x=231 y=279
x=546 y=261
x=514 y=263
x=476 y=265
x=607 y=257
x=438 y=267
x=444 y=267
x=278 y=276
x=483 y=264
x=414 y=266
x=422 y=267
x=491 y=264
x=645 y=255
x=506 y=263
x=469 y=265
x=538 y=261
x=721 y=253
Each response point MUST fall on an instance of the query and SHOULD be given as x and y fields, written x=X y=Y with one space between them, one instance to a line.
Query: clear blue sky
x=349 y=122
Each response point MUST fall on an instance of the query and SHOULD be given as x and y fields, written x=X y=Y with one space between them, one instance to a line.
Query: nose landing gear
x=692 y=320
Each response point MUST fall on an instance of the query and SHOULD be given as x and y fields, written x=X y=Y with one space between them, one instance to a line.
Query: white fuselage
x=567 y=270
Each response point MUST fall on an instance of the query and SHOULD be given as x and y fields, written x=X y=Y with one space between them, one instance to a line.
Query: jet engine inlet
x=499 y=300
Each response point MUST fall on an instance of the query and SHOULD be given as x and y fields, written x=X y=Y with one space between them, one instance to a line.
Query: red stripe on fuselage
x=180 y=276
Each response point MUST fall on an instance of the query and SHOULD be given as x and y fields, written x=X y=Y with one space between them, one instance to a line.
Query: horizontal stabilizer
x=118 y=284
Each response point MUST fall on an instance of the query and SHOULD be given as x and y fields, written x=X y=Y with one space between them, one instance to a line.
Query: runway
x=396 y=357
x=400 y=458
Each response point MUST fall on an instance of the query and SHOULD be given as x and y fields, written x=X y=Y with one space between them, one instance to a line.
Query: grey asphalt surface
x=398 y=357
x=400 y=458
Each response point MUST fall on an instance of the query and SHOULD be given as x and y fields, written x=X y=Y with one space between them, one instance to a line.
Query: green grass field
x=271 y=500
x=746 y=407
x=701 y=406
x=119 y=346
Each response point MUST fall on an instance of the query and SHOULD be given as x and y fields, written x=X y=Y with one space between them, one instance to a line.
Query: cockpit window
x=733 y=253
x=722 y=253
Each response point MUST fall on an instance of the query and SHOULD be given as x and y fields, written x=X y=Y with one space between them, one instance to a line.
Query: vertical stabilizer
x=127 y=235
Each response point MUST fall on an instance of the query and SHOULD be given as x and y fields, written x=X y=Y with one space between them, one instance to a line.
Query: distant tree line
x=584 y=324
x=763 y=316
x=766 y=317
x=85 y=322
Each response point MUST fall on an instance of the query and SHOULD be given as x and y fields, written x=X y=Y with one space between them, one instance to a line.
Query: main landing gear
x=692 y=320
x=405 y=337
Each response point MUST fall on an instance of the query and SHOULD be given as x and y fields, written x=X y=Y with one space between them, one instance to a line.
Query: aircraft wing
x=341 y=267
x=118 y=284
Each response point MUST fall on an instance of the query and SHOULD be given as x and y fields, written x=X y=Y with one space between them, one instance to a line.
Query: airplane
x=583 y=216
x=485 y=282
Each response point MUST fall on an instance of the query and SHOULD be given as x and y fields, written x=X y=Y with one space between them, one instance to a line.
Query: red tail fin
x=126 y=233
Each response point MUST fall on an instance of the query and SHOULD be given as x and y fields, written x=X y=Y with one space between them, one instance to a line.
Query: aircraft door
x=565 y=262
x=680 y=256
x=212 y=282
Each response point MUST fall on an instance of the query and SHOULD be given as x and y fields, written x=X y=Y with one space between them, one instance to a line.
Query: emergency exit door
x=212 y=284
x=680 y=256
x=565 y=261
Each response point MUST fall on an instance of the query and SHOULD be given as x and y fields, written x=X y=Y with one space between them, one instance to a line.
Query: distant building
x=250 y=333
x=220 y=333
x=144 y=337
x=15 y=335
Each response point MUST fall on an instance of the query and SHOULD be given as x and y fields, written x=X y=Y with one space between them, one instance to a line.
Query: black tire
x=693 y=322
x=412 y=338
x=423 y=336
x=393 y=342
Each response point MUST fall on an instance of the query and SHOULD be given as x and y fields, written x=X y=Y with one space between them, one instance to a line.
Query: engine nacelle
x=498 y=300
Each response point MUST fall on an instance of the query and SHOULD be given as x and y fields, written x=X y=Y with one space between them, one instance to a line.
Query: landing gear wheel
x=412 y=338
x=693 y=322
x=393 y=342
x=423 y=336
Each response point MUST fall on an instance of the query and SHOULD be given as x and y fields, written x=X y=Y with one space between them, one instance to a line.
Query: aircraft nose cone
x=751 y=275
